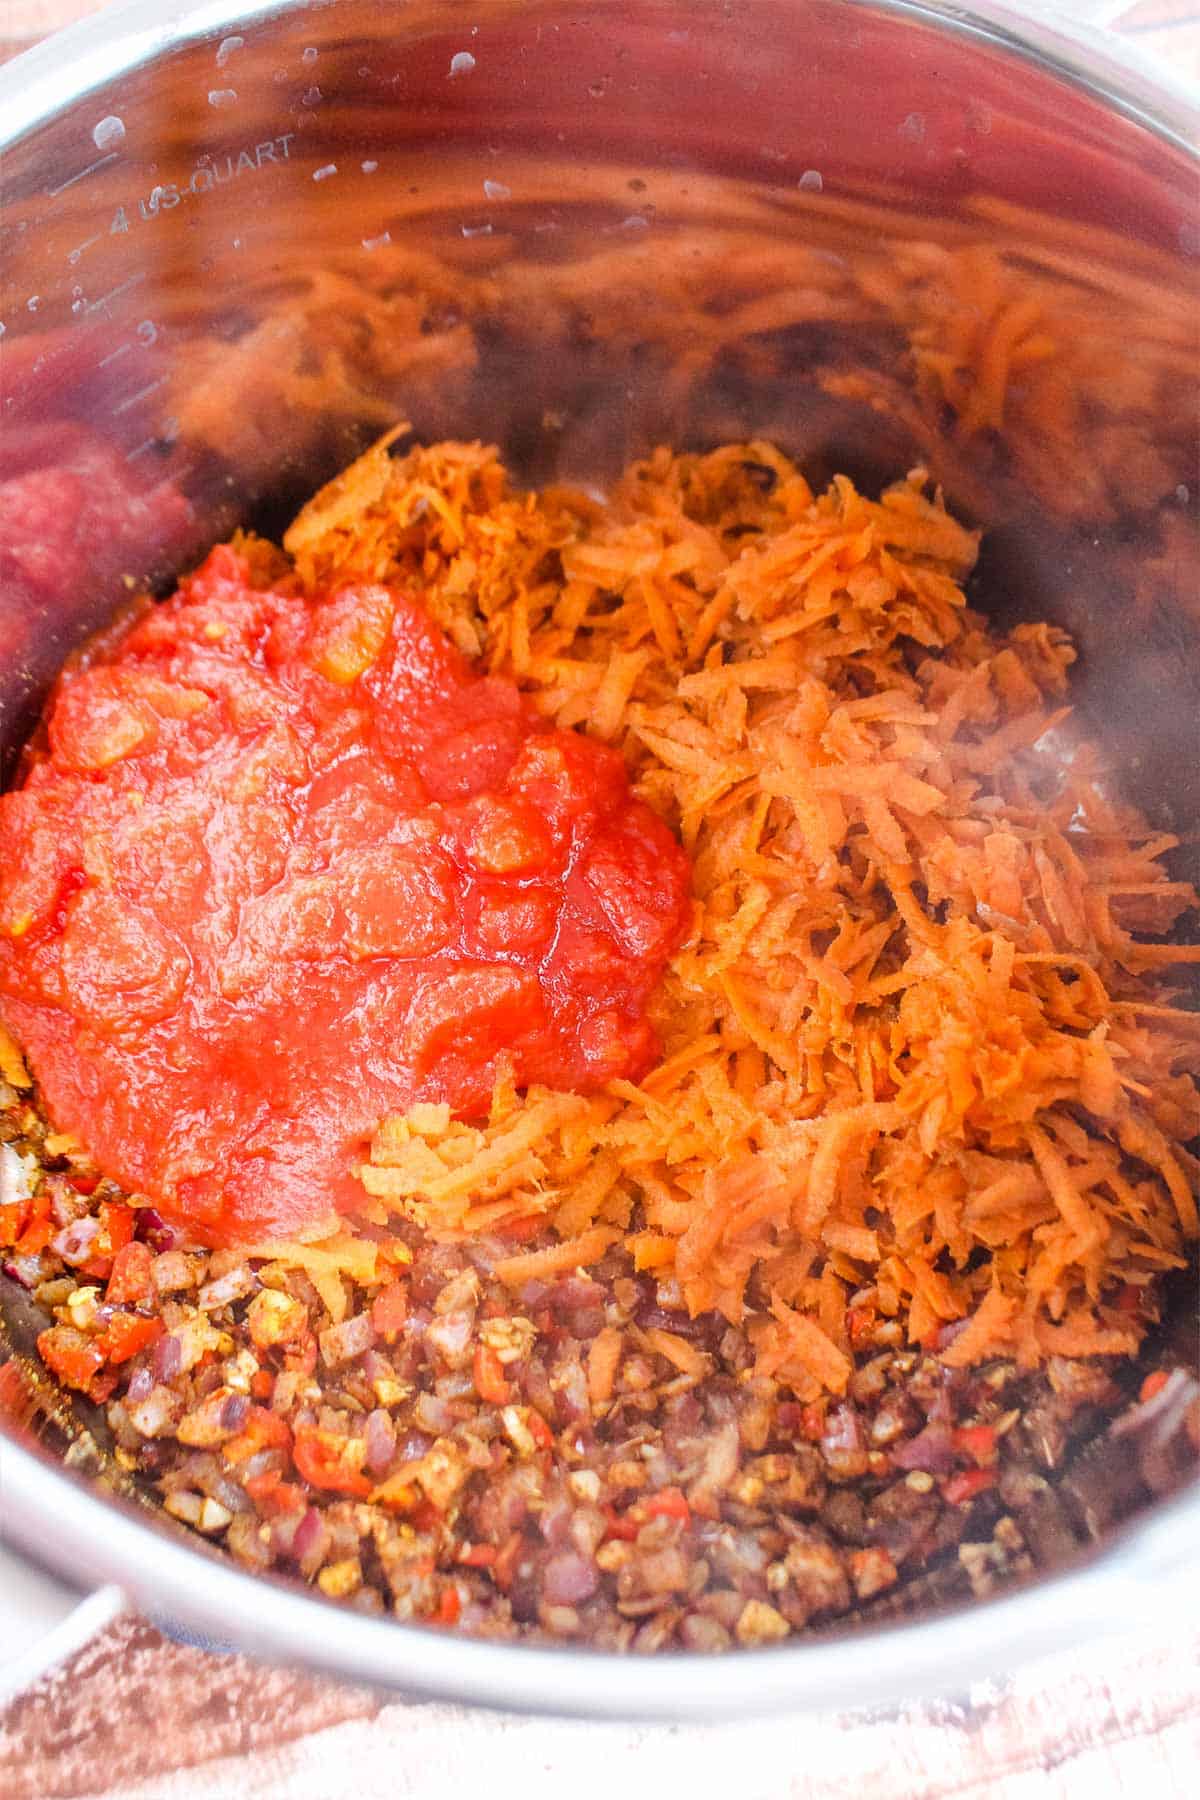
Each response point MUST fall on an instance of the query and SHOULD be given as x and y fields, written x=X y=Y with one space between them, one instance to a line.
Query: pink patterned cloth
x=136 y=1718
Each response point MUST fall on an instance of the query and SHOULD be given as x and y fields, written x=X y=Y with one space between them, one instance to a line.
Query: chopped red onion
x=433 y=1414
x=843 y=1430
x=172 y=1271
x=15 y=1184
x=573 y=1293
x=258 y=1464
x=555 y=1521
x=140 y=1383
x=66 y=1204
x=230 y=1495
x=588 y=1525
x=167 y=1358
x=205 y=1426
x=381 y=1440
x=414 y=1444
x=652 y=1317
x=569 y=1578
x=155 y=1414
x=26 y=1271
x=342 y=1343
x=311 y=1544
x=932 y=1450
x=153 y=1229
x=451 y=1335
x=574 y=1402
x=721 y=1458
x=285 y=1530
x=75 y=1242
x=308 y=1531
x=235 y=1411
x=227 y=1288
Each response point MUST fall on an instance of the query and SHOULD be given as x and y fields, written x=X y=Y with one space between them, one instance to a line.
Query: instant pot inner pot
x=877 y=238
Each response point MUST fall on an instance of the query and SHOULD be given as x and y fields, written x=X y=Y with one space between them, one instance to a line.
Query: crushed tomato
x=288 y=866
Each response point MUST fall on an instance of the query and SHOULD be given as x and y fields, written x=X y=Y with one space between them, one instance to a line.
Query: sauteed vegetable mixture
x=604 y=1069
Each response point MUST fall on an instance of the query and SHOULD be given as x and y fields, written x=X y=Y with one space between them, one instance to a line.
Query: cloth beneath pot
x=134 y=1717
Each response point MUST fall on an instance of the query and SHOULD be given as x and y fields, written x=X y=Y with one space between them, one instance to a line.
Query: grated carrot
x=921 y=1054
x=556 y=1259
x=604 y=1359
x=685 y=1357
x=985 y=1332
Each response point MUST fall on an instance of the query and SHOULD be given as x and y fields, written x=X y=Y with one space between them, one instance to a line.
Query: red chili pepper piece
x=74 y=1358
x=126 y=1334
x=478 y=1556
x=966 y=1485
x=18 y=1399
x=976 y=1441
x=488 y=1375
x=132 y=1278
x=303 y=1359
x=620 y=1525
x=12 y=1219
x=328 y=1461
x=116 y=1227
x=263 y=1430
x=812 y=1421
x=539 y=1431
x=389 y=1309
x=668 y=1503
x=273 y=1496
x=38 y=1227
x=861 y=1321
x=1153 y=1384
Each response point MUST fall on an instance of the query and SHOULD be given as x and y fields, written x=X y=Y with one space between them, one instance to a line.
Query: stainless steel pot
x=240 y=238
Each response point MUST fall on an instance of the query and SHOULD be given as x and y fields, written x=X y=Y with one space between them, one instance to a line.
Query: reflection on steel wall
x=579 y=229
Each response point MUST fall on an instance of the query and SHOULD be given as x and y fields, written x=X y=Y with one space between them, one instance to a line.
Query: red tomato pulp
x=286 y=867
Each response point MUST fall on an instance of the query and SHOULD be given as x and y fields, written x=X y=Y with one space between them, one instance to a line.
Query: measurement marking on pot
x=100 y=163
x=115 y=293
x=147 y=444
x=114 y=355
x=207 y=175
x=87 y=243
x=152 y=387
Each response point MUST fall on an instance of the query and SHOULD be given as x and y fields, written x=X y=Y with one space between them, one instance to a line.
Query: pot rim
x=105 y=1543
x=65 y=67
x=96 y=1539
